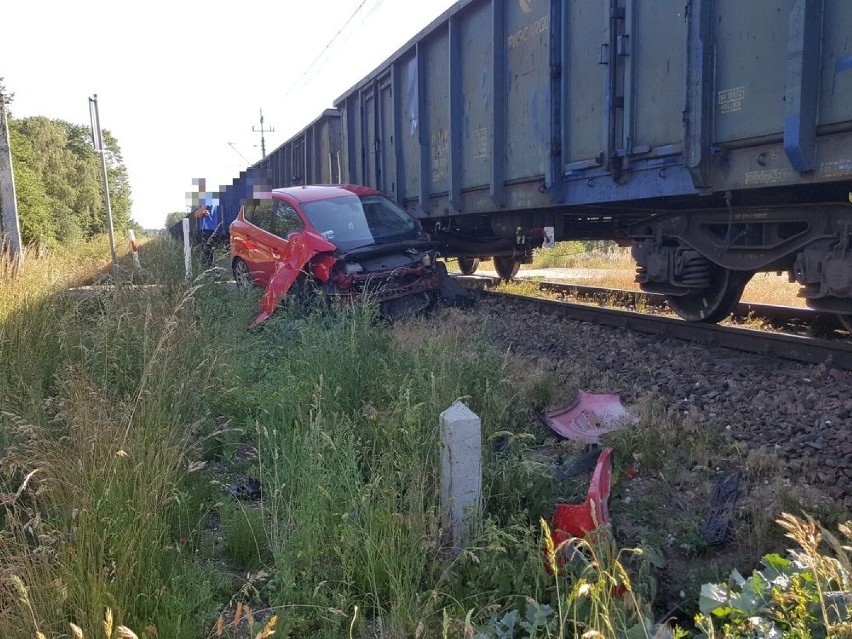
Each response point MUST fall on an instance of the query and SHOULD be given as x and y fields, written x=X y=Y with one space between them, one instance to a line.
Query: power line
x=346 y=39
x=326 y=48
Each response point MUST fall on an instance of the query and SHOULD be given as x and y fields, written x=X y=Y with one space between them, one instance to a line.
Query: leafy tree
x=119 y=182
x=173 y=217
x=8 y=97
x=34 y=207
x=63 y=180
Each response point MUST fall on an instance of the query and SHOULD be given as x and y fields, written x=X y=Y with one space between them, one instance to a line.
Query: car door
x=288 y=228
x=260 y=242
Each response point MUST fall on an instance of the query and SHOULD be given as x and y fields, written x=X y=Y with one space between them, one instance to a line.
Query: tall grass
x=345 y=416
x=109 y=400
x=100 y=395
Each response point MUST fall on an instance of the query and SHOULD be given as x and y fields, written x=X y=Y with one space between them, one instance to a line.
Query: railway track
x=777 y=315
x=798 y=348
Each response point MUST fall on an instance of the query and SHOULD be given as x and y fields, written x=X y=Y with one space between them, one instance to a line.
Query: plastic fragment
x=575 y=520
x=589 y=417
x=584 y=463
x=717 y=525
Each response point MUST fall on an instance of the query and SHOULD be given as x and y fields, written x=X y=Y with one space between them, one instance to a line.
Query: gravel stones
x=803 y=412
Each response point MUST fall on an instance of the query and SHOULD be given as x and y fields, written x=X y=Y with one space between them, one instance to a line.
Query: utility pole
x=10 y=229
x=261 y=130
x=98 y=144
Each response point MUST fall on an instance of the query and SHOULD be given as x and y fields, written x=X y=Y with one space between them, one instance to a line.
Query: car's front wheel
x=242 y=274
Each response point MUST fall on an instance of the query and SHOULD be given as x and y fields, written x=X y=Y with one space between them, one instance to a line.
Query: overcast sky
x=177 y=81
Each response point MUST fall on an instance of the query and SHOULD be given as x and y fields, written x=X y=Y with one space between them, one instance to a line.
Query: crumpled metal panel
x=303 y=248
x=589 y=417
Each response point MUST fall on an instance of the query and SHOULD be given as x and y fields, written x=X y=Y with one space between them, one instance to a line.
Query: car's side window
x=286 y=219
x=259 y=213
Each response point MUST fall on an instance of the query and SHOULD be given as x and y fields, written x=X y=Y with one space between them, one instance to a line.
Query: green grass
x=112 y=401
x=576 y=254
x=101 y=398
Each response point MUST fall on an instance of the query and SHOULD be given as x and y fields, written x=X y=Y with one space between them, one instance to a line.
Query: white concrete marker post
x=134 y=249
x=187 y=255
x=461 y=472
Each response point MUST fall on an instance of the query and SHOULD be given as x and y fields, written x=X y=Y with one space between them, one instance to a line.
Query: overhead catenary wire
x=325 y=49
x=355 y=30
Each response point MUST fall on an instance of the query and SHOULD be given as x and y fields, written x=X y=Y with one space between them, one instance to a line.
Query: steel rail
x=743 y=310
x=792 y=347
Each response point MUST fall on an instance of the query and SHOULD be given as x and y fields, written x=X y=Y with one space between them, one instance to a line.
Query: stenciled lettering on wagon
x=731 y=100
x=772 y=176
x=528 y=32
x=751 y=215
x=440 y=155
x=480 y=143
x=836 y=168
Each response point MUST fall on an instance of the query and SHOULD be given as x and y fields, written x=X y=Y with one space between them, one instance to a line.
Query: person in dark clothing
x=206 y=223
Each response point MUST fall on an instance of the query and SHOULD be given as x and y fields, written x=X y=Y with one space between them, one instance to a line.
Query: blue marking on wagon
x=844 y=63
x=413 y=101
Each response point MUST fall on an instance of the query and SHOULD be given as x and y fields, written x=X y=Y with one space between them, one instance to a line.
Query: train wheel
x=468 y=265
x=242 y=275
x=506 y=267
x=846 y=320
x=715 y=303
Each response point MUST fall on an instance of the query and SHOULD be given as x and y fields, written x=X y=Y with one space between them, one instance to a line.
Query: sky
x=181 y=84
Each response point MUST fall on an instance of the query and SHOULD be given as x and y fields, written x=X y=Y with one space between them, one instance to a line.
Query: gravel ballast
x=801 y=412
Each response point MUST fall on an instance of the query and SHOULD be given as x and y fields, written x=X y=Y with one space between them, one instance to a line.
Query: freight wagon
x=714 y=136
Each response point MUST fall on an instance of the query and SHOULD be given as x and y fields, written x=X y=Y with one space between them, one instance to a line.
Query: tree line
x=59 y=183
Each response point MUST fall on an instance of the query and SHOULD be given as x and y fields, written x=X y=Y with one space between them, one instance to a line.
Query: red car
x=347 y=242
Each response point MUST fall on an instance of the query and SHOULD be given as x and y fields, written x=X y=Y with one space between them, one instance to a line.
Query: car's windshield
x=352 y=221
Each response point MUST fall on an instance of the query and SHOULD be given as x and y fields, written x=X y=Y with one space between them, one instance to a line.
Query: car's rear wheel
x=242 y=274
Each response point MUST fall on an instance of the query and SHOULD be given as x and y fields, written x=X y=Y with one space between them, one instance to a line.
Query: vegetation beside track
x=127 y=415
x=608 y=265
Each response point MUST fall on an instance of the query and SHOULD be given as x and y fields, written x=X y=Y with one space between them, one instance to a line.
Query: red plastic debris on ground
x=575 y=520
x=588 y=417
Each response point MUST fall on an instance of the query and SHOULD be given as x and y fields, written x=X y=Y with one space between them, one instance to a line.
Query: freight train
x=713 y=136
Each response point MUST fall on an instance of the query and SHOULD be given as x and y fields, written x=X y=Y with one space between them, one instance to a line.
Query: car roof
x=314 y=192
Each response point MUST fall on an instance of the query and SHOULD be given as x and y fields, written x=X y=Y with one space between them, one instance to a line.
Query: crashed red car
x=344 y=242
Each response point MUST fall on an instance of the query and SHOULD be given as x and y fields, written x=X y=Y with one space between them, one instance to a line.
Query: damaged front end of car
x=402 y=279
